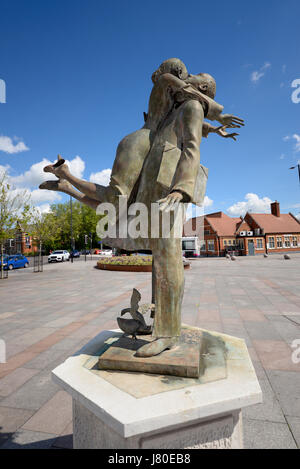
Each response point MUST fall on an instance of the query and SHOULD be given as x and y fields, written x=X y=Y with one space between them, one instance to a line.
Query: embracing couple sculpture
x=160 y=163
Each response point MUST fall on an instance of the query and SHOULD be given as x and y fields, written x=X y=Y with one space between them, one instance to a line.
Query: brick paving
x=45 y=318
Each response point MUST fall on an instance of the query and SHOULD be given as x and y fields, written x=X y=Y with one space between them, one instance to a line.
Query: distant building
x=22 y=243
x=254 y=234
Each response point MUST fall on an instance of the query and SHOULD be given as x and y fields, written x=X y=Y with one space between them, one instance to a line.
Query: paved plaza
x=46 y=317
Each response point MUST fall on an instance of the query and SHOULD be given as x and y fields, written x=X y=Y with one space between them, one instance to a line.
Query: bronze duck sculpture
x=137 y=324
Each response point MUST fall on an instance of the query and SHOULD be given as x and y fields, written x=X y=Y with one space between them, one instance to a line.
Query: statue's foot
x=60 y=185
x=156 y=347
x=60 y=168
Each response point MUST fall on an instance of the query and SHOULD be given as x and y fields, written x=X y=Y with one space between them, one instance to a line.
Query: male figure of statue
x=165 y=171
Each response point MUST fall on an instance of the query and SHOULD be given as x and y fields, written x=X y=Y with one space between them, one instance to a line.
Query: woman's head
x=174 y=66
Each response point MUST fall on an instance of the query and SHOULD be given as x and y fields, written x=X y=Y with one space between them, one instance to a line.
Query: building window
x=271 y=242
x=233 y=242
x=259 y=244
x=229 y=242
x=210 y=245
x=202 y=245
x=206 y=232
x=287 y=242
x=225 y=242
x=241 y=243
x=295 y=243
x=279 y=242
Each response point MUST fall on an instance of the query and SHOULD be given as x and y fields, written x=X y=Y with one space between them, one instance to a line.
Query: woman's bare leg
x=63 y=186
x=90 y=189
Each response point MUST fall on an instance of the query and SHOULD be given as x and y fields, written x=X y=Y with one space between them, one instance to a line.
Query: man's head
x=204 y=83
x=174 y=66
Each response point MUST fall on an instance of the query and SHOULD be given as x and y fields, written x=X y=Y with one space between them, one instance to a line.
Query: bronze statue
x=160 y=163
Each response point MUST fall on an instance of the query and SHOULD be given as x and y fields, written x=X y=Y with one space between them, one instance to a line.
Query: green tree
x=14 y=207
x=57 y=225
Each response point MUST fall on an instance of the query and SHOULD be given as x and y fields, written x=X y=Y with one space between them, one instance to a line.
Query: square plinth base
x=119 y=353
x=117 y=409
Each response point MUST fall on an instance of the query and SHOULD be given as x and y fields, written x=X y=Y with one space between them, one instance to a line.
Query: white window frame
x=262 y=244
x=269 y=242
x=280 y=240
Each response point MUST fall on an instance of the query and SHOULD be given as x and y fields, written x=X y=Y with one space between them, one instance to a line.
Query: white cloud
x=297 y=144
x=39 y=196
x=258 y=74
x=295 y=137
x=102 y=177
x=7 y=145
x=208 y=202
x=252 y=204
x=76 y=166
x=44 y=208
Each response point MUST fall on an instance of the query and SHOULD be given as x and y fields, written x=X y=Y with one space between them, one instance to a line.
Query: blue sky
x=77 y=77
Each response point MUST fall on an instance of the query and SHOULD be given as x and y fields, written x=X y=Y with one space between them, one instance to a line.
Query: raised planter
x=125 y=268
x=129 y=265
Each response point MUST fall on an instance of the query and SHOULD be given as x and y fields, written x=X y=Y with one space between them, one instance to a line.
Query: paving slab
x=42 y=421
x=254 y=298
x=286 y=385
x=260 y=434
x=294 y=424
x=24 y=439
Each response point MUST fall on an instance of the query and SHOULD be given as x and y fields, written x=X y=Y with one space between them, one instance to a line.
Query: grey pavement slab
x=269 y=410
x=33 y=394
x=286 y=385
x=260 y=434
x=259 y=331
x=294 y=424
x=254 y=298
x=25 y=439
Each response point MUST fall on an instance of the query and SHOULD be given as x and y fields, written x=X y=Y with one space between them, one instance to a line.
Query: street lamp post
x=71 y=226
x=297 y=166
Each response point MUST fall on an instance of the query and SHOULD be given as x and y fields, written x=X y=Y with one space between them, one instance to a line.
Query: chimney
x=275 y=209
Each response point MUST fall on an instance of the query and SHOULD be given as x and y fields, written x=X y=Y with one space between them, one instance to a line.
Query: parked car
x=15 y=262
x=85 y=251
x=106 y=252
x=59 y=256
x=75 y=253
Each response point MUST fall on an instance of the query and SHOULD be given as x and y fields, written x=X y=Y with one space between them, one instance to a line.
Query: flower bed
x=128 y=263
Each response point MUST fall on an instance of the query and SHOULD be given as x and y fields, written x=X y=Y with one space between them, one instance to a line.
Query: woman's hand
x=228 y=119
x=222 y=131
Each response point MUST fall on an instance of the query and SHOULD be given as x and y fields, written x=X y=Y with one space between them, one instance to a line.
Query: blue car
x=75 y=253
x=14 y=262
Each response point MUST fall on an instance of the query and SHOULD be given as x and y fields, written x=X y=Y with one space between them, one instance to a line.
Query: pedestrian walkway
x=45 y=318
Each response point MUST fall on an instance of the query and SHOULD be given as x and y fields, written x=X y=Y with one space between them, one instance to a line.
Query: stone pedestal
x=117 y=409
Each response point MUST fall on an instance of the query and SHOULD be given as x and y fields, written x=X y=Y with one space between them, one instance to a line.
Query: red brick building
x=22 y=243
x=254 y=234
